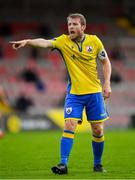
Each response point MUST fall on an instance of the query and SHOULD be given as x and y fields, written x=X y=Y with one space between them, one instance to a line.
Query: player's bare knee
x=70 y=125
x=97 y=129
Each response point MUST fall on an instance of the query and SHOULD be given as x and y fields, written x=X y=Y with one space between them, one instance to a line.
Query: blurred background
x=33 y=81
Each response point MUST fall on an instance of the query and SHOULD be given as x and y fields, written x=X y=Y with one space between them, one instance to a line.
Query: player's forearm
x=107 y=71
x=39 y=43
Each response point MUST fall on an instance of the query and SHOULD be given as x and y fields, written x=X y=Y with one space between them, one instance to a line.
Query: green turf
x=31 y=154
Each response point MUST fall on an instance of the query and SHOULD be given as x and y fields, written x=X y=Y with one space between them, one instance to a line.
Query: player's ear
x=83 y=27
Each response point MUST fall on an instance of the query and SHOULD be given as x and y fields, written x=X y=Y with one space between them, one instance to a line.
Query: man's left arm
x=107 y=75
x=102 y=55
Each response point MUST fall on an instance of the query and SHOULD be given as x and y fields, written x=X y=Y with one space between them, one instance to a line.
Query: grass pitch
x=30 y=155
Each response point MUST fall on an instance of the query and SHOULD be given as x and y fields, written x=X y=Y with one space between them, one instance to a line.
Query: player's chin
x=72 y=36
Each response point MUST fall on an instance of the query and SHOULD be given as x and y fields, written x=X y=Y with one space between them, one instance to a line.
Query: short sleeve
x=58 y=42
x=102 y=54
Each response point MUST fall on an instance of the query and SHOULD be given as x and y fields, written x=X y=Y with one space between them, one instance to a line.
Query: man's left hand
x=106 y=90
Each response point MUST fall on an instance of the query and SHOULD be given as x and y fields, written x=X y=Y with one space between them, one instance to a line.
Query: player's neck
x=80 y=38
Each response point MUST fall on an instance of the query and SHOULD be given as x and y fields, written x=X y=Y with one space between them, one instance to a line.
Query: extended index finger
x=14 y=42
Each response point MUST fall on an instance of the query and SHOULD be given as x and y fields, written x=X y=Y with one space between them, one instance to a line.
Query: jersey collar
x=80 y=43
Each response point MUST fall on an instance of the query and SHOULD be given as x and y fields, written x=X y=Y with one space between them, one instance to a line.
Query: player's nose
x=71 y=26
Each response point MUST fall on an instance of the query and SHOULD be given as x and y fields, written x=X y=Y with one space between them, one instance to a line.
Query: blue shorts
x=93 y=103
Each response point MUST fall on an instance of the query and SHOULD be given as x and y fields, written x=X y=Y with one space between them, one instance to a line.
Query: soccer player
x=84 y=90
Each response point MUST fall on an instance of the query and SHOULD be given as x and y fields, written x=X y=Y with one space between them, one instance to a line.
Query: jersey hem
x=85 y=93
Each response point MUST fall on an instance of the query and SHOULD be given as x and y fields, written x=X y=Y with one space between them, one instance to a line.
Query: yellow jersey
x=80 y=59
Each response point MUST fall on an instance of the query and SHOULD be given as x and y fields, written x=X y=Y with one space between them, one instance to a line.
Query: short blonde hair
x=77 y=15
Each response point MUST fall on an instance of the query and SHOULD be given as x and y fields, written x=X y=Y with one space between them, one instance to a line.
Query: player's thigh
x=96 y=109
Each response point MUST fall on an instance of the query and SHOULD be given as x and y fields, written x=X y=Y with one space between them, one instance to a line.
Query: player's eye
x=75 y=24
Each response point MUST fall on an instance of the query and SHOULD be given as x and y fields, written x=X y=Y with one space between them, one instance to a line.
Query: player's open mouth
x=72 y=32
